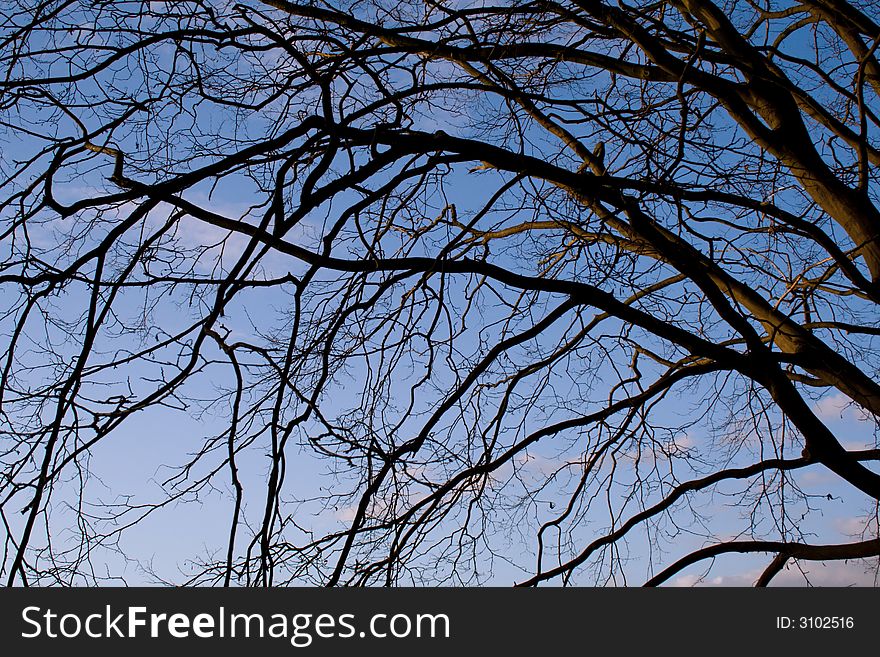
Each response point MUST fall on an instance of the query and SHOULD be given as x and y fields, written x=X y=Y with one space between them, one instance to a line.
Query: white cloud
x=856 y=572
x=857 y=526
x=840 y=407
x=831 y=573
x=346 y=513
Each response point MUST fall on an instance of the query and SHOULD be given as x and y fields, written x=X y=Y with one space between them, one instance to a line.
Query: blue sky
x=132 y=464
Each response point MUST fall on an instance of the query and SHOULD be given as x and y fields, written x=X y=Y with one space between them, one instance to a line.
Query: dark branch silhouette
x=534 y=290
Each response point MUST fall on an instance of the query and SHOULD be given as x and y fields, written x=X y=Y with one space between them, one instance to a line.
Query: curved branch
x=861 y=550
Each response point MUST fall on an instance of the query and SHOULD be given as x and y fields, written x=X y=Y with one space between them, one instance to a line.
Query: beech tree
x=453 y=292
